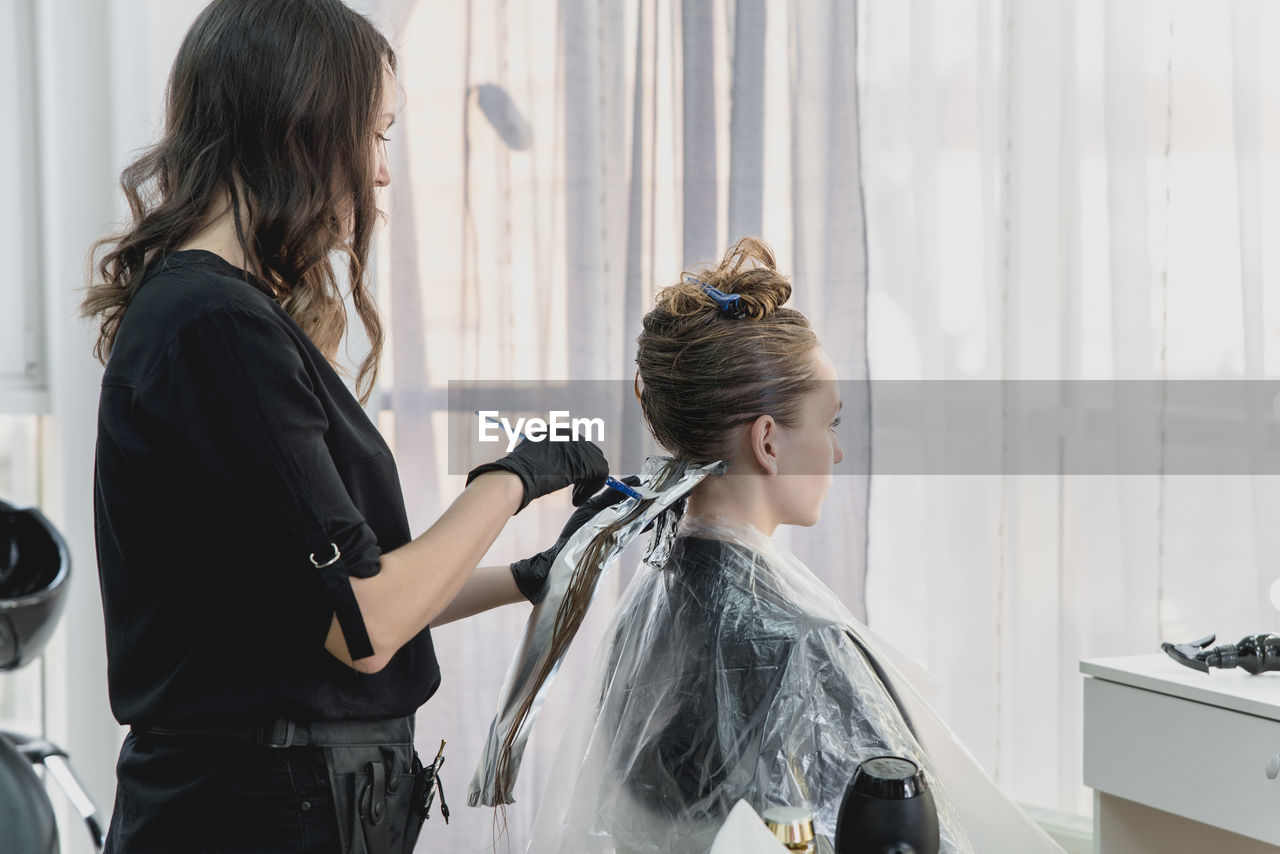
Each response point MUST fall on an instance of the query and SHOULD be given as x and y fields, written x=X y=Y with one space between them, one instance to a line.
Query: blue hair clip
x=730 y=304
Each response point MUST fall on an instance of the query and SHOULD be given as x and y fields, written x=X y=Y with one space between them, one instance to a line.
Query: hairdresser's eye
x=835 y=424
x=383 y=138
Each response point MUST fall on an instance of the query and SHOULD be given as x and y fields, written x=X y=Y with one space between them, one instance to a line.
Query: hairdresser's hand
x=531 y=573
x=544 y=467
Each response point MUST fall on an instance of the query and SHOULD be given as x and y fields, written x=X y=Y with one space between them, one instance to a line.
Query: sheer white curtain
x=555 y=163
x=1068 y=191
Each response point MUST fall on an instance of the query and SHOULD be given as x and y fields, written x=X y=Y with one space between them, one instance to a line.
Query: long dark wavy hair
x=271 y=107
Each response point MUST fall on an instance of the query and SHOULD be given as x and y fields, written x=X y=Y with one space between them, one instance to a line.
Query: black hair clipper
x=1255 y=653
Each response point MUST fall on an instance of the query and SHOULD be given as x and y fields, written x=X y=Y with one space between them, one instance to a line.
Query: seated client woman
x=732 y=671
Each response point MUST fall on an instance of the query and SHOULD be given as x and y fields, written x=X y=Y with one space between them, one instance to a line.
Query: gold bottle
x=792 y=826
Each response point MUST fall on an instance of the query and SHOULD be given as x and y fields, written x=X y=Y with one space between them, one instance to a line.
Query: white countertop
x=1229 y=689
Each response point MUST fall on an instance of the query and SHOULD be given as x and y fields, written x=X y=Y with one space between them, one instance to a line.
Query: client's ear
x=764 y=444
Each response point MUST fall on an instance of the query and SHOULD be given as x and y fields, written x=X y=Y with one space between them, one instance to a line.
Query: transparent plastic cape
x=730 y=671
x=661 y=481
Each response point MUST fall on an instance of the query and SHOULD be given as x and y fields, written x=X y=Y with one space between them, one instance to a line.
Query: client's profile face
x=808 y=451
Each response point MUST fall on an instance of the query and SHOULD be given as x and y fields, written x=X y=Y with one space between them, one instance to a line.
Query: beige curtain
x=555 y=163
x=1071 y=192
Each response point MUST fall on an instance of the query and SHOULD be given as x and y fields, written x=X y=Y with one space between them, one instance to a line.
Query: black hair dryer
x=887 y=809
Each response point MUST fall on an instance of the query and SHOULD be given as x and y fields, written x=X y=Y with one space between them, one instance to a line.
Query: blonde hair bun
x=748 y=269
x=703 y=371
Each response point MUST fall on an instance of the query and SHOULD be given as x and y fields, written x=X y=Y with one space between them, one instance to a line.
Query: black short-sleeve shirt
x=229 y=451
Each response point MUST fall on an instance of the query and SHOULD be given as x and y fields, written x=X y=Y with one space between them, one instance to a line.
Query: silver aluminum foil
x=667 y=486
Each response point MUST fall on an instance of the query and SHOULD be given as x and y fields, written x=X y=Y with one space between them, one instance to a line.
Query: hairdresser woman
x=266 y=609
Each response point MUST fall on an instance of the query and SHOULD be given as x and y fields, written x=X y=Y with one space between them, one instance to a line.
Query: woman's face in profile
x=385 y=117
x=808 y=451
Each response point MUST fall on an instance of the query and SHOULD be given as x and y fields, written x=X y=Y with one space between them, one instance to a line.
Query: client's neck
x=740 y=497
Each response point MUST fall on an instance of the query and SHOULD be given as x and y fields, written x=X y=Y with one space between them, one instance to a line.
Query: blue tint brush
x=609 y=481
x=622 y=487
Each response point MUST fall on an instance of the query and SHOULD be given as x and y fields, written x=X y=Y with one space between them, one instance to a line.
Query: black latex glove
x=531 y=573
x=544 y=467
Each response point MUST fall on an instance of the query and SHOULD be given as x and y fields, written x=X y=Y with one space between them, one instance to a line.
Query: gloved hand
x=531 y=573
x=544 y=467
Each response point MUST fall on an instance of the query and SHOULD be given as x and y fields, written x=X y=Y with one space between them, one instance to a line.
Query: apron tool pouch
x=381 y=791
x=377 y=783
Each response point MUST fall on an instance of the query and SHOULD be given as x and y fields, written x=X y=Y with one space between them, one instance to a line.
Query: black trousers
x=211 y=797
